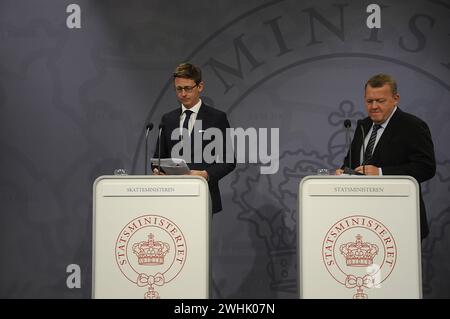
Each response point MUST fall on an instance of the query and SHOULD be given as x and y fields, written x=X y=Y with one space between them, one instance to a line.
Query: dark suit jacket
x=405 y=148
x=211 y=118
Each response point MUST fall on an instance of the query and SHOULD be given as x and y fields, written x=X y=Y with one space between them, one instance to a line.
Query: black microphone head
x=347 y=123
x=161 y=126
x=149 y=126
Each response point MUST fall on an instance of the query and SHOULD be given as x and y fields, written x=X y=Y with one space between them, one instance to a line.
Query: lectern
x=151 y=237
x=359 y=237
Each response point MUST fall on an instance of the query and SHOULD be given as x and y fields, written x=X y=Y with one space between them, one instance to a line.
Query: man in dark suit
x=396 y=142
x=188 y=85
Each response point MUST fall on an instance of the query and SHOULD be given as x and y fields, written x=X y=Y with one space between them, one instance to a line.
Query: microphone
x=348 y=170
x=161 y=127
x=148 y=128
x=360 y=123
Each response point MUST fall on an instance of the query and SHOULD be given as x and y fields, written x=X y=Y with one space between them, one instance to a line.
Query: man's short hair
x=380 y=80
x=188 y=71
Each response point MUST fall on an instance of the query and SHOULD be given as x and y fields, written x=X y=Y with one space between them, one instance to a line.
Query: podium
x=151 y=237
x=359 y=237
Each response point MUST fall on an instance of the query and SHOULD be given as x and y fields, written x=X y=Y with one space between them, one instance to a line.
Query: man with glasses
x=188 y=85
x=395 y=142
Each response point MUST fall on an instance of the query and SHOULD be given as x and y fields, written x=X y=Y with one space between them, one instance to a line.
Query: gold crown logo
x=358 y=253
x=151 y=252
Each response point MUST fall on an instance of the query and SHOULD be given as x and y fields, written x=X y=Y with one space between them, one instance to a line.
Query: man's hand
x=156 y=172
x=203 y=174
x=368 y=170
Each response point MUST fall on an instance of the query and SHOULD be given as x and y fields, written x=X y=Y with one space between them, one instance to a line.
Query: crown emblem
x=358 y=253
x=151 y=252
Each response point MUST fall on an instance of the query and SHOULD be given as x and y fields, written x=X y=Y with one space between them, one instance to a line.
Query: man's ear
x=201 y=85
x=397 y=98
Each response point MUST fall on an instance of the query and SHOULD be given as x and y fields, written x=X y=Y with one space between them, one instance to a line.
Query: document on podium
x=172 y=166
x=349 y=171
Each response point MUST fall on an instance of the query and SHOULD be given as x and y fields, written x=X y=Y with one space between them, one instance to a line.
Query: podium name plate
x=185 y=189
x=346 y=189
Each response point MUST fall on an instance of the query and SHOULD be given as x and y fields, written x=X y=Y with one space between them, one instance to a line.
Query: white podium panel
x=151 y=237
x=359 y=237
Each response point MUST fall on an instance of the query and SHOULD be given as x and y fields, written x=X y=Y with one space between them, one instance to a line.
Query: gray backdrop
x=74 y=104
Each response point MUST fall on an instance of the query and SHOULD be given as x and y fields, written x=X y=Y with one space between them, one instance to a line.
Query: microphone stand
x=347 y=125
x=161 y=126
x=147 y=130
x=349 y=170
x=363 y=146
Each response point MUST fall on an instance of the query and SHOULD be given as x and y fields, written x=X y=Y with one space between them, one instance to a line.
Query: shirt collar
x=385 y=123
x=194 y=109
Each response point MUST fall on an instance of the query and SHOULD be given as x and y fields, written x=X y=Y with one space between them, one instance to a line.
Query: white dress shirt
x=379 y=133
x=193 y=117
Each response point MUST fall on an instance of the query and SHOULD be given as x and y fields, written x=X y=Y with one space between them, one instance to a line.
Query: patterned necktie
x=370 y=144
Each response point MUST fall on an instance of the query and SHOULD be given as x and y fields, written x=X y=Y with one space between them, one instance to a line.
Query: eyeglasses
x=187 y=89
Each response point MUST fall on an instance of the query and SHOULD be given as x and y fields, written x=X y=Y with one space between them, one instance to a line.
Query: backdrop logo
x=360 y=253
x=294 y=65
x=151 y=251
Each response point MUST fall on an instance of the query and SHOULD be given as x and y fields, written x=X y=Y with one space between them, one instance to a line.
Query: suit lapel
x=203 y=116
x=197 y=133
x=388 y=134
x=175 y=120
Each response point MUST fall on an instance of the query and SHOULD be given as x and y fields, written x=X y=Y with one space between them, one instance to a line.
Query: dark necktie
x=186 y=122
x=185 y=132
x=370 y=144
x=186 y=119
